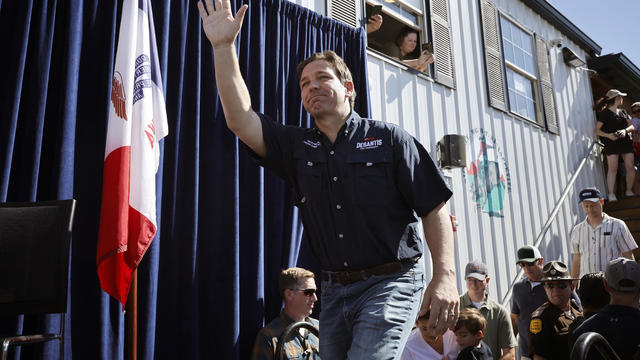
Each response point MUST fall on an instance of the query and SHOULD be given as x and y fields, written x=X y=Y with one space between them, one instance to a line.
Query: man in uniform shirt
x=359 y=185
x=528 y=295
x=298 y=290
x=549 y=326
x=498 y=334
x=598 y=239
x=618 y=322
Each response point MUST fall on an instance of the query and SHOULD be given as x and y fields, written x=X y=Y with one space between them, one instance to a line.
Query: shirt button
x=331 y=152
x=340 y=236
x=338 y=207
x=303 y=200
x=345 y=264
x=335 y=178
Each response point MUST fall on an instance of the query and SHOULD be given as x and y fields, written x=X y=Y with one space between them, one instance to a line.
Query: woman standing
x=614 y=129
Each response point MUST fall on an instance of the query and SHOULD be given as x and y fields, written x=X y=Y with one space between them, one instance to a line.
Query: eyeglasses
x=560 y=285
x=306 y=292
x=523 y=264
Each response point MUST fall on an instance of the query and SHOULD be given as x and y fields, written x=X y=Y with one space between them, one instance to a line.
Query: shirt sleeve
x=278 y=142
x=539 y=332
x=515 y=309
x=624 y=239
x=418 y=179
x=575 y=244
x=263 y=348
x=506 y=339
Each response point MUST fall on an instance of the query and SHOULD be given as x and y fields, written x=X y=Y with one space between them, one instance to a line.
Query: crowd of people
x=363 y=188
x=545 y=310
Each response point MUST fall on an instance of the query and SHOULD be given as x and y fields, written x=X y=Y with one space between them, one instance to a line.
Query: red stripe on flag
x=125 y=234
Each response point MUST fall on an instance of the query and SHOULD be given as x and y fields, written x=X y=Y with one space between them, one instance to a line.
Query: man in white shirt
x=598 y=239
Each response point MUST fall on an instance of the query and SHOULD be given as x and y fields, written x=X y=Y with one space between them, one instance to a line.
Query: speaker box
x=452 y=151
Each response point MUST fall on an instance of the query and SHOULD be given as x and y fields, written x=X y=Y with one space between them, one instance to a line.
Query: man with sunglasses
x=549 y=326
x=298 y=290
x=528 y=295
x=364 y=188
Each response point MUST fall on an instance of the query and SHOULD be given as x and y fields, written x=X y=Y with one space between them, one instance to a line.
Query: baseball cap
x=635 y=104
x=590 y=194
x=476 y=270
x=528 y=254
x=623 y=274
x=555 y=271
x=613 y=93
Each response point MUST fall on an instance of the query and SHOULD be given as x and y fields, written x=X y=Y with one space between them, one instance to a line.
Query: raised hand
x=220 y=26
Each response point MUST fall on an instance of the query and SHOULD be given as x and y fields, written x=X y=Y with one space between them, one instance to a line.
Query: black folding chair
x=34 y=260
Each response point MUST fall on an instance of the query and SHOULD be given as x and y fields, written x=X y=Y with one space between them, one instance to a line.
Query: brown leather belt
x=350 y=277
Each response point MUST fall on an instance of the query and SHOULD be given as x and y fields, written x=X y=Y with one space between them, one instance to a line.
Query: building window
x=520 y=69
x=430 y=18
x=396 y=16
x=517 y=69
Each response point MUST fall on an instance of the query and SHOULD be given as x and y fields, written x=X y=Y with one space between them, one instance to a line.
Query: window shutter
x=546 y=86
x=343 y=10
x=442 y=49
x=493 y=55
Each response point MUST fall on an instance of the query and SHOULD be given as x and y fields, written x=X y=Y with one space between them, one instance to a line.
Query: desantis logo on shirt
x=369 y=143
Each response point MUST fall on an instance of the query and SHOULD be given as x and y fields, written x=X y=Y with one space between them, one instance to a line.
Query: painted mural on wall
x=487 y=173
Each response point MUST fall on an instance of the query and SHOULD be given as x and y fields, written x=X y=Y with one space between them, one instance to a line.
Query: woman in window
x=614 y=128
x=405 y=49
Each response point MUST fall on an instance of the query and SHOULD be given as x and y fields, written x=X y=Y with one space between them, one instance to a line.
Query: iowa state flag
x=137 y=120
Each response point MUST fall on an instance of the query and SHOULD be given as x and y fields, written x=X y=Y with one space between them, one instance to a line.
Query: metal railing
x=286 y=334
x=588 y=340
x=554 y=212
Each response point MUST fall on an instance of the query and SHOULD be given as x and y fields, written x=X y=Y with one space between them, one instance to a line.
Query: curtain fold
x=209 y=280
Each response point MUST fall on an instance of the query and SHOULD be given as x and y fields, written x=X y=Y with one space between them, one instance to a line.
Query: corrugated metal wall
x=537 y=164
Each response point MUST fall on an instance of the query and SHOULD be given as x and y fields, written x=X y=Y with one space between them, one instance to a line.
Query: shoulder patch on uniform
x=535 y=326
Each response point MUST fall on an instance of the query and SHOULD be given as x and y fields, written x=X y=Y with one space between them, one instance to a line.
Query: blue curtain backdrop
x=209 y=281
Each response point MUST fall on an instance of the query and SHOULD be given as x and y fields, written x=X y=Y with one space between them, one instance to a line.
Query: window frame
x=423 y=29
x=534 y=78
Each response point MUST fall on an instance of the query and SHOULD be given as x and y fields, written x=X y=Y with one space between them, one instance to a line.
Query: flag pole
x=132 y=318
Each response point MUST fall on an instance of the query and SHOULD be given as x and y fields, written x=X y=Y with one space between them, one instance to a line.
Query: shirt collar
x=347 y=128
x=605 y=218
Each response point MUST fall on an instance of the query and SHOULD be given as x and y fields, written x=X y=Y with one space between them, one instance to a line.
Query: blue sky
x=613 y=24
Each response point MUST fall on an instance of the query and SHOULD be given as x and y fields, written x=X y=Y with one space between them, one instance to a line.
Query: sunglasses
x=635 y=111
x=523 y=264
x=306 y=292
x=561 y=285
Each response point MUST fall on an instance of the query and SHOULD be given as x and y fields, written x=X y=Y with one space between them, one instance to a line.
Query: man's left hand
x=442 y=299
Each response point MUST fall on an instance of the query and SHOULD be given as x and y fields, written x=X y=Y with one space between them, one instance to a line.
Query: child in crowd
x=424 y=344
x=469 y=333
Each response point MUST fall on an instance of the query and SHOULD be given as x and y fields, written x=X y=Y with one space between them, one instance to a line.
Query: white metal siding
x=540 y=163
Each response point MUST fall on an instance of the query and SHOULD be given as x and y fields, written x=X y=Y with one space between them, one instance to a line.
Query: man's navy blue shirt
x=619 y=324
x=357 y=196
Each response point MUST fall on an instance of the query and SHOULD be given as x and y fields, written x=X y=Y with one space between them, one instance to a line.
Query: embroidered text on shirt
x=312 y=144
x=369 y=143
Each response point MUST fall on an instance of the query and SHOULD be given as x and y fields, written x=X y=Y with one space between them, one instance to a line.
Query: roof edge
x=555 y=17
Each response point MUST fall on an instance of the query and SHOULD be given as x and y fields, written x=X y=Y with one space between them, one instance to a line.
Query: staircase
x=627 y=210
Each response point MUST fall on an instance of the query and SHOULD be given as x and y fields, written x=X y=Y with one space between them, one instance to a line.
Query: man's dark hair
x=472 y=320
x=337 y=64
x=591 y=291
